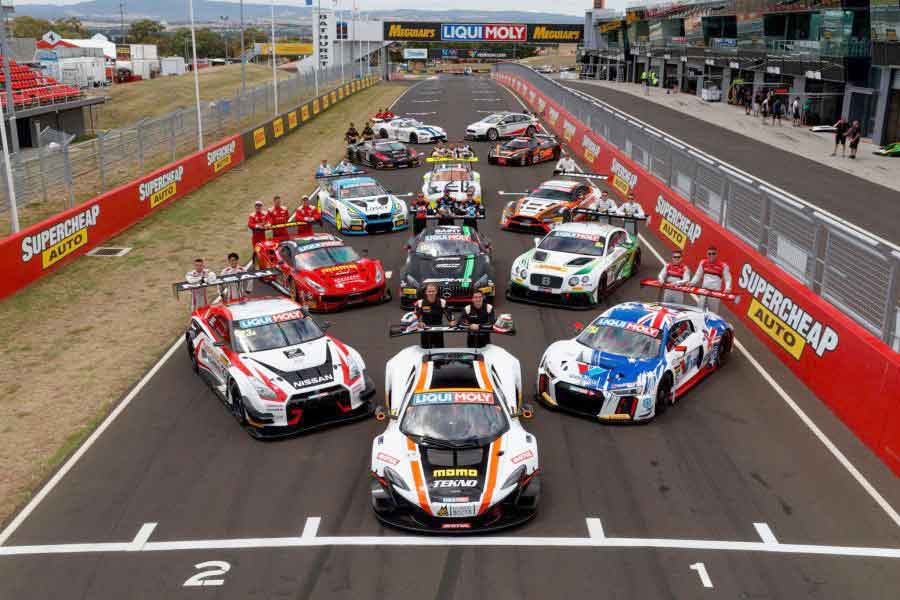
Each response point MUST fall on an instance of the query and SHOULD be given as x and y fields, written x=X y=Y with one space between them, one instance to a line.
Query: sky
x=570 y=7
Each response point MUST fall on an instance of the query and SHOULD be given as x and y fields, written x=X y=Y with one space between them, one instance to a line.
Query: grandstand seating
x=32 y=88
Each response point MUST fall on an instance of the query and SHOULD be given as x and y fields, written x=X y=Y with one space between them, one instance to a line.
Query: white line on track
x=804 y=418
x=596 y=539
x=765 y=533
x=86 y=445
x=143 y=534
x=424 y=101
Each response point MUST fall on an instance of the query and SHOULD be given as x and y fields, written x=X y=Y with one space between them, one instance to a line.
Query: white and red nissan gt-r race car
x=275 y=368
x=454 y=457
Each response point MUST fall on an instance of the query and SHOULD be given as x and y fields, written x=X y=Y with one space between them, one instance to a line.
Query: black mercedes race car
x=523 y=151
x=455 y=257
x=383 y=154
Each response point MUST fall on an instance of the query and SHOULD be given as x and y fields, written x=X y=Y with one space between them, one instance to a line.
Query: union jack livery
x=633 y=361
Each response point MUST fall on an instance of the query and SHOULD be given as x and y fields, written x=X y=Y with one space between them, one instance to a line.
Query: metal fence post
x=67 y=172
x=100 y=165
x=173 y=144
x=140 y=142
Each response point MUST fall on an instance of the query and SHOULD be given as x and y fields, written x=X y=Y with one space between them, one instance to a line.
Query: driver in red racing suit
x=278 y=215
x=712 y=274
x=675 y=272
x=309 y=215
x=257 y=223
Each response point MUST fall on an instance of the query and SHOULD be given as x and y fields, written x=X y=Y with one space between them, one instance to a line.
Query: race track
x=730 y=478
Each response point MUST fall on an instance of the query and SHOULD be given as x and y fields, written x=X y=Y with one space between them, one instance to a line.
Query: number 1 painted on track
x=704 y=576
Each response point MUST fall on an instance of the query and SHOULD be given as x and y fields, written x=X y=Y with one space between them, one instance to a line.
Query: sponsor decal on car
x=458 y=472
x=453 y=483
x=339 y=268
x=310 y=381
x=221 y=157
x=646 y=330
x=60 y=239
x=675 y=226
x=623 y=179
x=568 y=130
x=387 y=458
x=270 y=319
x=161 y=188
x=318 y=245
x=471 y=397
x=783 y=320
x=456 y=511
x=522 y=456
x=456 y=526
x=591 y=149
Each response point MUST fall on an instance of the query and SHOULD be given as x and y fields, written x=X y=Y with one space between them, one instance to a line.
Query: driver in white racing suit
x=675 y=272
x=712 y=274
x=201 y=275
x=566 y=164
x=631 y=207
x=234 y=291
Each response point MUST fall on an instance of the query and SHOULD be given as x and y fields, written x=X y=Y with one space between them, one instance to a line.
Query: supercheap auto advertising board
x=45 y=246
x=853 y=372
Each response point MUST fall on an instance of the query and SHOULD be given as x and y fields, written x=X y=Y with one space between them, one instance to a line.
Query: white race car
x=455 y=176
x=360 y=205
x=575 y=265
x=454 y=457
x=633 y=361
x=503 y=125
x=274 y=367
x=409 y=130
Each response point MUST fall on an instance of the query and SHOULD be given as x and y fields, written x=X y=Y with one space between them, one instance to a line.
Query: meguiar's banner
x=44 y=247
x=852 y=371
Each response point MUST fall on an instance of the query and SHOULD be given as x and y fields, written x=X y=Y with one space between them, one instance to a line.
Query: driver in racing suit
x=631 y=207
x=478 y=317
x=676 y=272
x=712 y=274
x=566 y=164
x=446 y=208
x=606 y=204
x=470 y=208
x=234 y=291
x=256 y=223
x=431 y=312
x=367 y=133
x=200 y=275
x=352 y=135
x=278 y=215
x=420 y=214
x=309 y=215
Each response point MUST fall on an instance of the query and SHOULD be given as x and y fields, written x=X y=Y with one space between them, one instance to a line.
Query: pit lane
x=731 y=455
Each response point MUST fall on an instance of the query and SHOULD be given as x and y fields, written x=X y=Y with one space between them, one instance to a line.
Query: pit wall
x=850 y=370
x=49 y=245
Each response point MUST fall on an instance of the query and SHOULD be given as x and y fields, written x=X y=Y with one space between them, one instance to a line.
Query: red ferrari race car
x=523 y=151
x=323 y=273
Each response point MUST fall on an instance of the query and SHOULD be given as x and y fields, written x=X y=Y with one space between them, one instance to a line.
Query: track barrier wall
x=46 y=246
x=852 y=371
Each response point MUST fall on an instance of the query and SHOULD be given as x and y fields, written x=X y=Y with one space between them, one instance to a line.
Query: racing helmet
x=504 y=323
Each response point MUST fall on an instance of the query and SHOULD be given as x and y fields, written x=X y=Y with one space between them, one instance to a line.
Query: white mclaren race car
x=409 y=130
x=633 y=361
x=274 y=367
x=503 y=125
x=454 y=457
x=454 y=176
x=360 y=205
x=575 y=265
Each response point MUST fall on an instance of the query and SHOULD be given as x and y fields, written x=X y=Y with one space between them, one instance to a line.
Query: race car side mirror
x=381 y=413
x=527 y=411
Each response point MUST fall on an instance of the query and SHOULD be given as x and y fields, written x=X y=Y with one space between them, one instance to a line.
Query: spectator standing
x=853 y=136
x=795 y=112
x=840 y=136
x=777 y=109
x=757 y=101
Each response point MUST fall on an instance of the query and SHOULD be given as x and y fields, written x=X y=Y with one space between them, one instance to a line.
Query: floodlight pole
x=274 y=72
x=10 y=187
x=243 y=55
x=196 y=79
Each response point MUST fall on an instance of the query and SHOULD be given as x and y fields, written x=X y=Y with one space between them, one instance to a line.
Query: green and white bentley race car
x=575 y=265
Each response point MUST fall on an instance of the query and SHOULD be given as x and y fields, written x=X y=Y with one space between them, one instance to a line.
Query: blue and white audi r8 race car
x=360 y=205
x=274 y=367
x=633 y=361
x=409 y=130
x=454 y=457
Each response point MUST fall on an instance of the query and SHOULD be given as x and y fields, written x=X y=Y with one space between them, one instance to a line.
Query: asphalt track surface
x=730 y=455
x=859 y=201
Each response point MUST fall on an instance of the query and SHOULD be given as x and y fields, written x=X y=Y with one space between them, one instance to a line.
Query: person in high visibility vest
x=645 y=80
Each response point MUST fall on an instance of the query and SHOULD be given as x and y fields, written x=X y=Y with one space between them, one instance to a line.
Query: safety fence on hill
x=59 y=174
x=692 y=203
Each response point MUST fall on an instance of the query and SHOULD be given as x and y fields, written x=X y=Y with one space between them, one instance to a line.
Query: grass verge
x=100 y=323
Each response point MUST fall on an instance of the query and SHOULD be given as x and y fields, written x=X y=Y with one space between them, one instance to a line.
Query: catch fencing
x=855 y=271
x=59 y=174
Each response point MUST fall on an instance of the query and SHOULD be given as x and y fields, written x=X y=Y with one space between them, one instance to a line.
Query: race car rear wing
x=687 y=289
x=340 y=175
x=433 y=216
x=184 y=286
x=449 y=159
x=582 y=175
x=288 y=224
x=399 y=329
x=609 y=214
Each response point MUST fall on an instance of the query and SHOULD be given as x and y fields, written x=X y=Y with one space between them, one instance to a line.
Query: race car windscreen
x=453 y=243
x=574 y=243
x=621 y=338
x=390 y=147
x=363 y=190
x=492 y=119
x=325 y=257
x=455 y=417
x=451 y=175
x=516 y=145
x=271 y=332
x=551 y=194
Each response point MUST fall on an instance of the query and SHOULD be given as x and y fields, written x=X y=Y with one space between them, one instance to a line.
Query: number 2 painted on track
x=704 y=576
x=210 y=568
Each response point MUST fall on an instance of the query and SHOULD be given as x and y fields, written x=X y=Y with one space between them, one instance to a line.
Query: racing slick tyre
x=413 y=138
x=493 y=135
x=599 y=292
x=530 y=131
x=723 y=353
x=189 y=344
x=237 y=404
x=663 y=395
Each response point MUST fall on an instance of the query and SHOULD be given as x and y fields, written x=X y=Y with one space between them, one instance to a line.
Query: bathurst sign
x=546 y=33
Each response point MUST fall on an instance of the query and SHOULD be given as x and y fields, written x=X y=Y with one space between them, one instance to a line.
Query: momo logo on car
x=591 y=149
x=476 y=32
x=161 y=188
x=60 y=239
x=221 y=157
x=674 y=225
x=454 y=473
x=783 y=320
x=623 y=179
x=568 y=130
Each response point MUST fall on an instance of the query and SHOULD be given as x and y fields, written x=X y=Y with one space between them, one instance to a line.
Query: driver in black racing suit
x=431 y=312
x=478 y=317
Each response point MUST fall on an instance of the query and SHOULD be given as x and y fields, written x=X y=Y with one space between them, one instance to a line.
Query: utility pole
x=274 y=72
x=196 y=79
x=124 y=36
x=243 y=55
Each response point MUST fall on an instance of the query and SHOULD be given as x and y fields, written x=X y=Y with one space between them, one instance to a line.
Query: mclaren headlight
x=513 y=478
x=395 y=479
